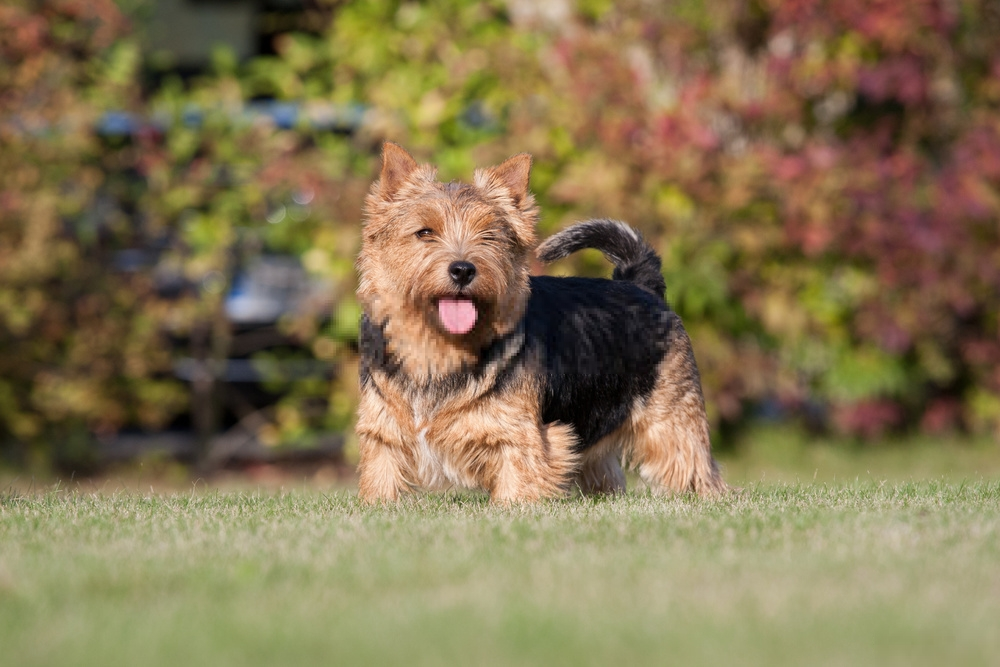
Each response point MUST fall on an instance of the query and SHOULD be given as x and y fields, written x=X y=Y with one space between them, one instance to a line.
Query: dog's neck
x=425 y=360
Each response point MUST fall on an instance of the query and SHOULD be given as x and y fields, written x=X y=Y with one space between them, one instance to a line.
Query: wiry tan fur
x=467 y=441
x=416 y=430
x=666 y=439
x=400 y=277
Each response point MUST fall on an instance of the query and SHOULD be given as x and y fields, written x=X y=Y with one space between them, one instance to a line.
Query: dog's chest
x=437 y=464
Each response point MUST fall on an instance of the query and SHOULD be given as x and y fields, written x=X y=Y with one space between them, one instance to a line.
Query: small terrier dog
x=476 y=374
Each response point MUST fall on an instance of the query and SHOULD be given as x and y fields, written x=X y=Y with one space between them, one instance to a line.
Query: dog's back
x=597 y=344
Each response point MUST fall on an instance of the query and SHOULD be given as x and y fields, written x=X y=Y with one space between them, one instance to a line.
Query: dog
x=476 y=374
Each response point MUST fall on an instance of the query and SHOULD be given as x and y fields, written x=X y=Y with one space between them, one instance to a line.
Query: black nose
x=462 y=272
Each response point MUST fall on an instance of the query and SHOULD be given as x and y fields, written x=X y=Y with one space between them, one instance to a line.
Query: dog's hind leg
x=668 y=441
x=600 y=468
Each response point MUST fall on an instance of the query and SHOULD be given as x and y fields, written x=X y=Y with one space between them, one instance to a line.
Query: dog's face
x=448 y=258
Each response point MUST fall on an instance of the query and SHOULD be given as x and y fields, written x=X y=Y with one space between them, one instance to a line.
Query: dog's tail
x=634 y=260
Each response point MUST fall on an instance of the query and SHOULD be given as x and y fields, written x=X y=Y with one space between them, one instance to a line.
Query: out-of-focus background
x=181 y=186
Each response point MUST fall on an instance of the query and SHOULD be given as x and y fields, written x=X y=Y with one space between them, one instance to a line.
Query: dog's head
x=450 y=259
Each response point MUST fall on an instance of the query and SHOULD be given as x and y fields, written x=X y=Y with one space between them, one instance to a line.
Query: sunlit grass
x=783 y=454
x=860 y=573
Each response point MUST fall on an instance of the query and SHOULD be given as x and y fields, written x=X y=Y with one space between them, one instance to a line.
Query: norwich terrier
x=476 y=374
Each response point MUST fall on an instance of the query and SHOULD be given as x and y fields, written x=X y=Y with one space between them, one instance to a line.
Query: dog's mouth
x=458 y=314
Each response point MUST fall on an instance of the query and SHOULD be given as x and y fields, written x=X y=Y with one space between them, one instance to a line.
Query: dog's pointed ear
x=512 y=174
x=509 y=179
x=397 y=166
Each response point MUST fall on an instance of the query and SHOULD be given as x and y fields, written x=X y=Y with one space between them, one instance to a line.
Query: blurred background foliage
x=822 y=179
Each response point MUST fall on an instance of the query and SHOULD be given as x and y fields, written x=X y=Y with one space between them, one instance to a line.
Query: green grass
x=783 y=454
x=846 y=574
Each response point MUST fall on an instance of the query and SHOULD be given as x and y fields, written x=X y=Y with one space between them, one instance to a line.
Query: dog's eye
x=425 y=234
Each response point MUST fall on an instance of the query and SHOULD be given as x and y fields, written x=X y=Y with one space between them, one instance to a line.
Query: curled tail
x=634 y=260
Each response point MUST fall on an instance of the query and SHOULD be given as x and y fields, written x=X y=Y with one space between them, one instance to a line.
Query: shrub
x=820 y=177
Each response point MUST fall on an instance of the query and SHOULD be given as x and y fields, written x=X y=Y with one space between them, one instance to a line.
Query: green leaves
x=863 y=372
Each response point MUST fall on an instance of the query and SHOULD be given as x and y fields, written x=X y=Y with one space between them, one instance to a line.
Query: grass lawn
x=781 y=454
x=851 y=573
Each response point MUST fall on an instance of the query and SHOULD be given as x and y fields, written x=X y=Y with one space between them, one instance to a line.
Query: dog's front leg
x=500 y=445
x=538 y=463
x=380 y=470
x=385 y=459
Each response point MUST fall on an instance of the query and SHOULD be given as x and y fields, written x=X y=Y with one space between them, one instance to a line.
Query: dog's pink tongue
x=457 y=315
